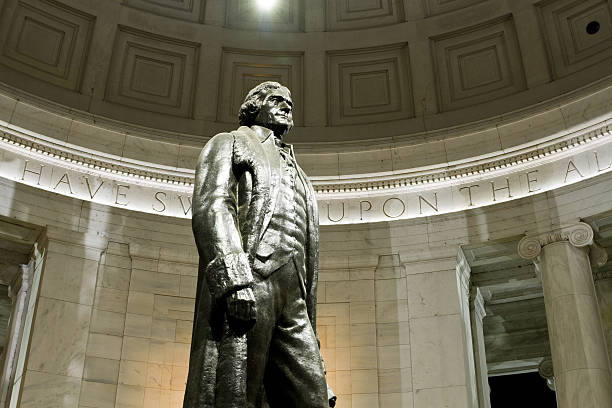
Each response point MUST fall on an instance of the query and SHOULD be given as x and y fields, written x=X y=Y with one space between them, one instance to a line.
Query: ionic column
x=477 y=314
x=580 y=359
x=603 y=286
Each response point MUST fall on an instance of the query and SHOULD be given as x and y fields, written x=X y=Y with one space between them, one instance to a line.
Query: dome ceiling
x=359 y=70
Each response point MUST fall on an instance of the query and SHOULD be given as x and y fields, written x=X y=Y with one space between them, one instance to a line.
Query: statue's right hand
x=241 y=308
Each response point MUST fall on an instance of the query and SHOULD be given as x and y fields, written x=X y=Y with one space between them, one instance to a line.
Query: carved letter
x=122 y=195
x=329 y=217
x=183 y=204
x=493 y=189
x=361 y=209
x=26 y=170
x=469 y=189
x=421 y=199
x=385 y=207
x=92 y=195
x=569 y=170
x=66 y=181
x=160 y=201
x=598 y=166
x=530 y=180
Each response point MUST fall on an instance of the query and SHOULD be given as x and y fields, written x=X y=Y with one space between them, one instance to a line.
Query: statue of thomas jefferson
x=255 y=223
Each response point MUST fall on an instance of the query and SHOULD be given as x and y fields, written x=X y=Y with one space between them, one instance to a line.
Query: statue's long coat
x=235 y=193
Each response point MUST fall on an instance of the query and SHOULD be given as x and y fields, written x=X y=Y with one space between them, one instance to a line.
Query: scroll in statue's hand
x=241 y=309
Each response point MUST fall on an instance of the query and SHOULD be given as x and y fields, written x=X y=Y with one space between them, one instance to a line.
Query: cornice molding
x=29 y=143
x=541 y=152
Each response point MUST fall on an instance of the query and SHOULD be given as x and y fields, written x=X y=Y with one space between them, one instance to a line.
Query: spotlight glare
x=265 y=5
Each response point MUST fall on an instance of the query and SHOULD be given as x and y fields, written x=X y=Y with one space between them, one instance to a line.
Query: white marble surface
x=59 y=338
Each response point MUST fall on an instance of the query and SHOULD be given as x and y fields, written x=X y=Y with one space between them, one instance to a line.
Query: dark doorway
x=521 y=390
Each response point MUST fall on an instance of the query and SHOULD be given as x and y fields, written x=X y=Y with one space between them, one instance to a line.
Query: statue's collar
x=264 y=134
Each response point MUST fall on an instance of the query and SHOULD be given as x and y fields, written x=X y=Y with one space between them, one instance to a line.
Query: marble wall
x=113 y=315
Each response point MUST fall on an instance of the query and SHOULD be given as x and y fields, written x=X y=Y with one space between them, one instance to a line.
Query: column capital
x=579 y=235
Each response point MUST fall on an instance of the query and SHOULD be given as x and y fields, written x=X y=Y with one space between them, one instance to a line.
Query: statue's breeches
x=283 y=355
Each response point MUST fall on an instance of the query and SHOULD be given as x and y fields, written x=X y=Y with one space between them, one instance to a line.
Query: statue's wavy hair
x=253 y=101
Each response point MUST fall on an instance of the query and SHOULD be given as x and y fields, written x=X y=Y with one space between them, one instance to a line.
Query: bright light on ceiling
x=265 y=5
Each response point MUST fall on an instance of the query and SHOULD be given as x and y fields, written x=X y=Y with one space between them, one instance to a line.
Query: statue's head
x=269 y=104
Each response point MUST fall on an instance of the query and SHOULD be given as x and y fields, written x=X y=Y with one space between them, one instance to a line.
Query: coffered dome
x=378 y=71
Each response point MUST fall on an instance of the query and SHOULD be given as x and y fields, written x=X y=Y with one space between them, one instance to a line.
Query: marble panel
x=392 y=311
x=97 y=395
x=394 y=380
x=365 y=401
x=437 y=355
x=391 y=289
x=101 y=370
x=104 y=346
x=133 y=373
x=343 y=382
x=131 y=396
x=364 y=381
x=362 y=312
x=179 y=378
x=432 y=294
x=343 y=358
x=455 y=397
x=171 y=307
x=119 y=261
x=363 y=334
x=396 y=356
x=531 y=129
x=42 y=390
x=69 y=278
x=153 y=282
x=161 y=352
x=95 y=138
x=180 y=354
x=7 y=107
x=188 y=157
x=140 y=303
x=113 y=277
x=159 y=376
x=111 y=300
x=177 y=268
x=188 y=286
x=147 y=264
x=138 y=325
x=151 y=151
x=361 y=357
x=350 y=291
x=374 y=161
x=40 y=121
x=319 y=164
x=135 y=348
x=163 y=329
x=396 y=399
x=107 y=322
x=388 y=334
x=59 y=337
x=414 y=156
x=472 y=145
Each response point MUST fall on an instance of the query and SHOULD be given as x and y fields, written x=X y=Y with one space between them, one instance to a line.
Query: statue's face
x=276 y=112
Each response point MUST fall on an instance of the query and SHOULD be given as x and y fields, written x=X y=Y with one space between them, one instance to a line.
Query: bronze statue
x=255 y=224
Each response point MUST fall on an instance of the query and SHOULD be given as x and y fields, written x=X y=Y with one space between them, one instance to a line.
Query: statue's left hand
x=241 y=309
